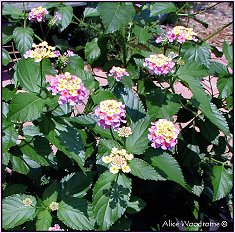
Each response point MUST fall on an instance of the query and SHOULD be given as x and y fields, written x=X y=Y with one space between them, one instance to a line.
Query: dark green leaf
x=19 y=165
x=6 y=38
x=143 y=170
x=222 y=181
x=135 y=205
x=74 y=63
x=13 y=11
x=110 y=198
x=23 y=38
x=44 y=220
x=73 y=213
x=142 y=34
x=92 y=50
x=14 y=212
x=85 y=120
x=169 y=167
x=162 y=8
x=102 y=95
x=5 y=57
x=228 y=52
x=225 y=86
x=90 y=12
x=137 y=143
x=26 y=107
x=115 y=15
x=15 y=189
x=9 y=137
x=8 y=92
x=66 y=13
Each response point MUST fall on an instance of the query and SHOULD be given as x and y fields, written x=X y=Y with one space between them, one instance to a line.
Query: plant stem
x=123 y=32
x=217 y=32
x=42 y=32
x=223 y=163
x=112 y=133
x=48 y=31
x=41 y=77
x=41 y=40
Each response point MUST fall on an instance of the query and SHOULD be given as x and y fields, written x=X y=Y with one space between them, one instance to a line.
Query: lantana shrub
x=130 y=153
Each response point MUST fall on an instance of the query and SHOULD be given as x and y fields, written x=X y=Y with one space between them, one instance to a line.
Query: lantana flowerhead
x=54 y=20
x=27 y=201
x=159 y=64
x=124 y=132
x=70 y=88
x=118 y=160
x=56 y=227
x=40 y=51
x=110 y=114
x=118 y=73
x=163 y=134
x=37 y=14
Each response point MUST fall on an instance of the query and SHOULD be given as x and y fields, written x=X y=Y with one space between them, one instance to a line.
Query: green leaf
x=50 y=194
x=162 y=8
x=74 y=63
x=197 y=53
x=8 y=92
x=87 y=78
x=133 y=105
x=26 y=107
x=142 y=34
x=13 y=11
x=85 y=120
x=222 y=181
x=76 y=184
x=70 y=149
x=9 y=137
x=110 y=198
x=92 y=50
x=123 y=224
x=135 y=205
x=143 y=170
x=19 y=165
x=217 y=69
x=109 y=144
x=28 y=73
x=73 y=213
x=225 y=86
x=31 y=130
x=44 y=220
x=23 y=38
x=162 y=104
x=66 y=13
x=14 y=212
x=90 y=12
x=31 y=153
x=204 y=104
x=5 y=57
x=137 y=143
x=6 y=38
x=15 y=189
x=228 y=52
x=115 y=15
x=169 y=167
x=192 y=69
x=102 y=95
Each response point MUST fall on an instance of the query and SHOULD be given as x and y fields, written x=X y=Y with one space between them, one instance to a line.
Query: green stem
x=217 y=32
x=123 y=32
x=112 y=133
x=42 y=32
x=223 y=163
x=48 y=31
x=41 y=77
x=41 y=40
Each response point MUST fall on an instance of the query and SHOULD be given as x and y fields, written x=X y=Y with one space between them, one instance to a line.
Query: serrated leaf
x=13 y=11
x=225 y=86
x=90 y=12
x=228 y=52
x=133 y=105
x=23 y=38
x=137 y=143
x=25 y=107
x=204 y=104
x=115 y=15
x=73 y=213
x=135 y=205
x=9 y=137
x=110 y=198
x=14 y=212
x=5 y=57
x=102 y=95
x=29 y=76
x=109 y=144
x=217 y=69
x=66 y=13
x=222 y=181
x=44 y=220
x=162 y=8
x=74 y=63
x=197 y=53
x=76 y=184
x=50 y=194
x=192 y=69
x=92 y=50
x=169 y=167
x=8 y=92
x=19 y=165
x=6 y=38
x=143 y=170
x=142 y=34
x=85 y=120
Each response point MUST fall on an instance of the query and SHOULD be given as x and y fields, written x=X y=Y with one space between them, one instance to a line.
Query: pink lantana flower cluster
x=37 y=14
x=55 y=19
x=56 y=227
x=70 y=88
x=118 y=73
x=178 y=33
x=159 y=64
x=110 y=113
x=163 y=134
